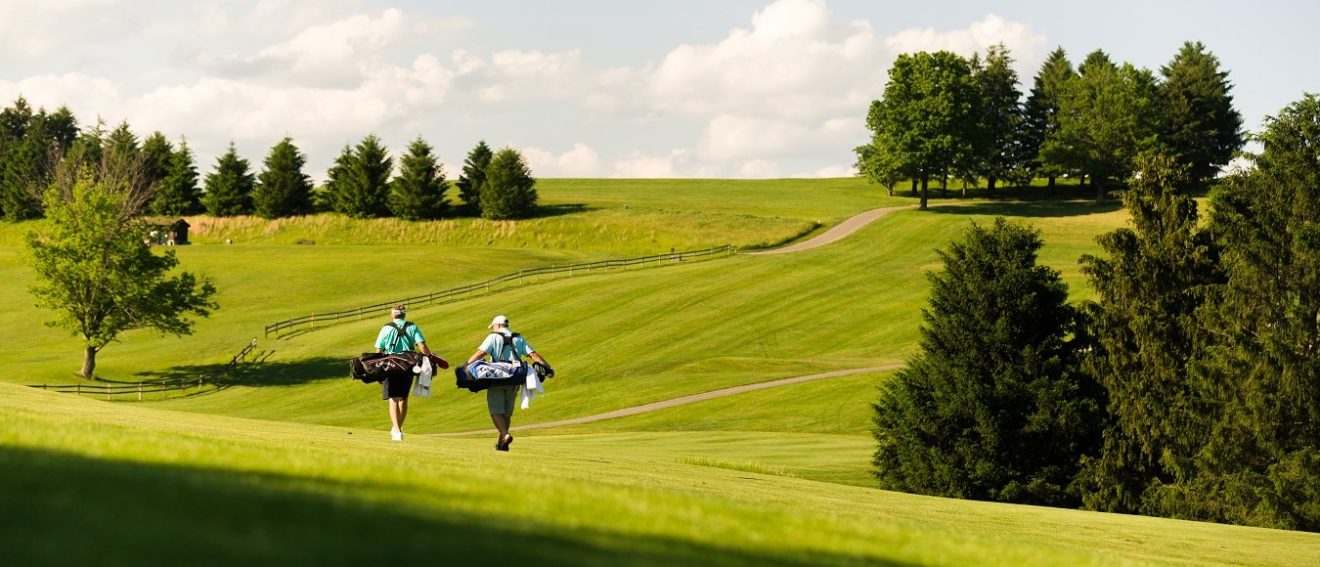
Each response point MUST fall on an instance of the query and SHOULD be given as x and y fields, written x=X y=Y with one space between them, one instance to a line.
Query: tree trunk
x=925 y=193
x=944 y=184
x=890 y=188
x=990 y=186
x=914 y=186
x=1051 y=183
x=964 y=189
x=89 y=363
x=1099 y=184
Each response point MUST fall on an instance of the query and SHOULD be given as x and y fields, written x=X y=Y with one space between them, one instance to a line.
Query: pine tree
x=993 y=406
x=1157 y=277
x=156 y=154
x=177 y=193
x=1262 y=464
x=1040 y=114
x=229 y=187
x=1201 y=126
x=473 y=178
x=419 y=190
x=1000 y=117
x=360 y=183
x=282 y=188
x=510 y=189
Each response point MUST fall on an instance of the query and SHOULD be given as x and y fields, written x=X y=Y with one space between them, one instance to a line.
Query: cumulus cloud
x=579 y=161
x=990 y=30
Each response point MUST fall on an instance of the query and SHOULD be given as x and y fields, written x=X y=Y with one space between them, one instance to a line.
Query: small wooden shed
x=178 y=234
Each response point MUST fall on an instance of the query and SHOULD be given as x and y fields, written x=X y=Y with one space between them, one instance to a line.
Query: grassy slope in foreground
x=88 y=482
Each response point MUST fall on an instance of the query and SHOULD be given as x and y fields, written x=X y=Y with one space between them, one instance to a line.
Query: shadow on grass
x=1034 y=209
x=78 y=510
x=290 y=373
x=559 y=210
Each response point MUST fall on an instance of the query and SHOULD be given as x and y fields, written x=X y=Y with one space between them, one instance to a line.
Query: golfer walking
x=503 y=345
x=399 y=336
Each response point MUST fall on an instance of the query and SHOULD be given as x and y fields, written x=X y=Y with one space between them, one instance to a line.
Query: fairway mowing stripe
x=625 y=412
x=843 y=230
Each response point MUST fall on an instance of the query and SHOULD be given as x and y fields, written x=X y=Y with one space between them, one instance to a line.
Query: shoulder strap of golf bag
x=500 y=345
x=399 y=331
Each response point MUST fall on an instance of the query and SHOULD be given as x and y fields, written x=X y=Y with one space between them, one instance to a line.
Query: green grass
x=125 y=484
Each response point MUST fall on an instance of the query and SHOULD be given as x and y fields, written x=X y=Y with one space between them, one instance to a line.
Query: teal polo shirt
x=406 y=343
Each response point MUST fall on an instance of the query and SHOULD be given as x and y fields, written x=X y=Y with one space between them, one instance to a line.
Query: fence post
x=78 y=389
x=139 y=391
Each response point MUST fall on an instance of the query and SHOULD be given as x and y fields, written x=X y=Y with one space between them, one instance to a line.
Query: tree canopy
x=229 y=186
x=282 y=189
x=418 y=192
x=97 y=278
x=473 y=178
x=510 y=189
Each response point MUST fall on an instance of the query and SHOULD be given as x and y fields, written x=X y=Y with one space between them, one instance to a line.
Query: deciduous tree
x=98 y=279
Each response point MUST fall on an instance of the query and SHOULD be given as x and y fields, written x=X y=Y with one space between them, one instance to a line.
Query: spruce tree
x=1000 y=117
x=1262 y=464
x=177 y=193
x=282 y=188
x=510 y=189
x=993 y=406
x=1201 y=126
x=1156 y=278
x=229 y=187
x=334 y=187
x=419 y=190
x=157 y=153
x=1040 y=114
x=474 y=177
x=360 y=183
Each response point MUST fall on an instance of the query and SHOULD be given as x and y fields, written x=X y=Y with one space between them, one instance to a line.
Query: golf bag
x=377 y=366
x=481 y=375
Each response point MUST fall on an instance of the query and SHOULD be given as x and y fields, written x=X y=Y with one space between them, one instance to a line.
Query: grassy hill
x=91 y=482
x=254 y=464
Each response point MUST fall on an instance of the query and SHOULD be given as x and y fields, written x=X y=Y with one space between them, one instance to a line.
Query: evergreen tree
x=334 y=187
x=993 y=406
x=1148 y=339
x=156 y=155
x=122 y=143
x=26 y=171
x=62 y=127
x=229 y=187
x=1262 y=464
x=510 y=189
x=177 y=193
x=1000 y=117
x=419 y=190
x=282 y=188
x=1040 y=114
x=474 y=177
x=14 y=119
x=361 y=184
x=1201 y=126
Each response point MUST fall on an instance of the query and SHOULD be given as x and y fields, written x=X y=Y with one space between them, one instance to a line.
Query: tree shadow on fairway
x=281 y=373
x=1032 y=209
x=80 y=510
x=559 y=210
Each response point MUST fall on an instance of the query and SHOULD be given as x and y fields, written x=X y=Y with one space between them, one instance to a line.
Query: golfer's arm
x=480 y=354
x=537 y=357
x=425 y=348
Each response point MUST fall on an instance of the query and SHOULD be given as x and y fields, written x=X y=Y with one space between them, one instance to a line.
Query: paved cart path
x=843 y=230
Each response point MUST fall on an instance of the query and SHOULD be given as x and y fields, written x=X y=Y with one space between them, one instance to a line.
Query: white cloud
x=29 y=30
x=990 y=30
x=759 y=168
x=580 y=161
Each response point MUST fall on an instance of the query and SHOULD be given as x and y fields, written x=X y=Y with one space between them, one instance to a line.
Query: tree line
x=362 y=183
x=1189 y=389
x=943 y=115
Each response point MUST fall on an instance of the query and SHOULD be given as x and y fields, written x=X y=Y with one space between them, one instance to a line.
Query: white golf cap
x=499 y=320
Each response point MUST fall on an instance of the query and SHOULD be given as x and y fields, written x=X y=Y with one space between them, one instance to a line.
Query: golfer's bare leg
x=394 y=414
x=403 y=412
x=501 y=424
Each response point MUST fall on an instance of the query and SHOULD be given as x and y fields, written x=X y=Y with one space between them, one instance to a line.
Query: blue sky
x=596 y=88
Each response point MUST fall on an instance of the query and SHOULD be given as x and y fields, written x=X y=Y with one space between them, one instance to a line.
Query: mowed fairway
x=89 y=482
x=289 y=460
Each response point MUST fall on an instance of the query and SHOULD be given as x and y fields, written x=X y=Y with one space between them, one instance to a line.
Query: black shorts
x=396 y=388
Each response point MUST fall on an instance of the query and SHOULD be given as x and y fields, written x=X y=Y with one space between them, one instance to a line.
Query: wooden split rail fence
x=140 y=388
x=470 y=290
